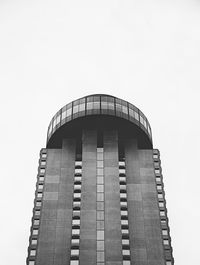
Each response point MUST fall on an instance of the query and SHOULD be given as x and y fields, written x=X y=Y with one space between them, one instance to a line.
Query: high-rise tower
x=99 y=196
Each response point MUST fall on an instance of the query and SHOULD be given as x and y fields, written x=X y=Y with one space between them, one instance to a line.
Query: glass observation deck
x=99 y=105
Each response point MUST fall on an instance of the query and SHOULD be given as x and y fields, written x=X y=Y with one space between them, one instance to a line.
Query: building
x=99 y=195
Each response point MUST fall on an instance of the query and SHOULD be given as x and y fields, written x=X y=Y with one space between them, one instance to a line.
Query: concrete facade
x=101 y=208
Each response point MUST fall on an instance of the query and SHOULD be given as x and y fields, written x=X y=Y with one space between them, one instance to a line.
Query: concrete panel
x=52 y=178
x=113 y=244
x=88 y=198
x=50 y=196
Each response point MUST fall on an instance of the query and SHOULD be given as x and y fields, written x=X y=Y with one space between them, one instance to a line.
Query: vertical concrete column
x=152 y=228
x=113 y=245
x=64 y=208
x=47 y=229
x=135 y=204
x=88 y=199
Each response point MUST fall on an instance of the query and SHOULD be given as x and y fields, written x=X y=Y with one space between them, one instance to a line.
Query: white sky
x=146 y=52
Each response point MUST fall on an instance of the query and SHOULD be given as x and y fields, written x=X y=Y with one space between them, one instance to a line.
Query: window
x=78 y=163
x=100 y=197
x=168 y=263
x=31 y=262
x=37 y=212
x=64 y=114
x=122 y=187
x=136 y=116
x=161 y=204
x=122 y=171
x=40 y=186
x=100 y=188
x=125 y=232
x=75 y=109
x=145 y=124
x=131 y=112
x=34 y=242
x=166 y=242
x=77 y=178
x=82 y=107
x=69 y=112
x=39 y=195
x=76 y=222
x=156 y=164
x=100 y=150
x=75 y=232
x=76 y=214
x=77 y=203
x=100 y=206
x=100 y=245
x=158 y=179
x=100 y=235
x=125 y=252
x=123 y=195
x=123 y=179
x=99 y=171
x=78 y=170
x=44 y=155
x=157 y=171
x=124 y=222
x=43 y=163
x=74 y=262
x=121 y=164
x=100 y=164
x=38 y=204
x=160 y=196
x=126 y=262
x=35 y=231
x=74 y=252
x=99 y=156
x=77 y=195
x=42 y=170
x=77 y=187
x=33 y=252
x=41 y=178
x=125 y=242
x=100 y=180
x=141 y=120
x=100 y=256
x=159 y=187
x=164 y=232
x=124 y=204
x=75 y=242
x=162 y=213
x=36 y=222
x=155 y=156
x=100 y=225
x=100 y=215
x=124 y=213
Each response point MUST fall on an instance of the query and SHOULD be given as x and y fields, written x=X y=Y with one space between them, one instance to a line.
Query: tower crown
x=99 y=110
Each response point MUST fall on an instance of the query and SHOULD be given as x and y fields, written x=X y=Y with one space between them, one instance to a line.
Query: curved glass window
x=99 y=104
x=118 y=107
x=75 y=109
x=64 y=114
x=125 y=110
x=82 y=107
x=58 y=119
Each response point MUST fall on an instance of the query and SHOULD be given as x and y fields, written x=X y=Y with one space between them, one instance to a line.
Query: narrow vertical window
x=100 y=203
